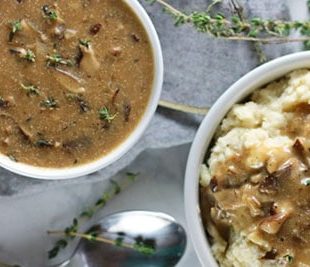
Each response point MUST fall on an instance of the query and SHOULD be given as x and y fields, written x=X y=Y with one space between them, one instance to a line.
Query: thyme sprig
x=49 y=13
x=56 y=59
x=30 y=89
x=105 y=114
x=49 y=103
x=72 y=231
x=85 y=42
x=93 y=235
x=16 y=26
x=235 y=28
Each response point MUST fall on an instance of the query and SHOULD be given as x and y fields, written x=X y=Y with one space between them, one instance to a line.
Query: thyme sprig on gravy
x=234 y=28
x=105 y=114
x=85 y=42
x=56 y=59
x=49 y=13
x=49 y=103
x=30 y=89
x=16 y=26
x=23 y=53
x=83 y=104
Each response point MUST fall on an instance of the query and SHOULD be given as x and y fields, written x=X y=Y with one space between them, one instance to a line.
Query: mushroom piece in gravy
x=65 y=98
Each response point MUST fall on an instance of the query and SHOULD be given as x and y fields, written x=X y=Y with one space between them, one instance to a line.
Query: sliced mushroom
x=89 y=62
x=30 y=31
x=272 y=224
x=71 y=82
x=79 y=143
x=257 y=238
x=69 y=33
x=301 y=152
x=24 y=131
x=270 y=184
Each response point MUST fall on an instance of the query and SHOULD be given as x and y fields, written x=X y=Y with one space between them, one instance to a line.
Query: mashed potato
x=255 y=197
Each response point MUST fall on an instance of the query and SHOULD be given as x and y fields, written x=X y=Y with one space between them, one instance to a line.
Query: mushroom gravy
x=76 y=77
x=262 y=190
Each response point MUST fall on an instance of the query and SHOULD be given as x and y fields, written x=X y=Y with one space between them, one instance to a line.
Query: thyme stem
x=272 y=40
x=236 y=28
x=183 y=108
x=88 y=237
x=172 y=9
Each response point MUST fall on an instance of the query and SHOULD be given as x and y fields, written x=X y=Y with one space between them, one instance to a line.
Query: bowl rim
x=253 y=80
x=120 y=150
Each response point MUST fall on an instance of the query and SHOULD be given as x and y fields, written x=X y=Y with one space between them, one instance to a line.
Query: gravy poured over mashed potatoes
x=255 y=187
x=76 y=77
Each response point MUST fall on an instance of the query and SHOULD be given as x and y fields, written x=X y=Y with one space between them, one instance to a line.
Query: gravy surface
x=76 y=77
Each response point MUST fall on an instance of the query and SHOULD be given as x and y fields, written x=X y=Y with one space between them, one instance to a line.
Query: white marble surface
x=198 y=70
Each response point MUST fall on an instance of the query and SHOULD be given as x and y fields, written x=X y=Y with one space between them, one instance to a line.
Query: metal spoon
x=158 y=229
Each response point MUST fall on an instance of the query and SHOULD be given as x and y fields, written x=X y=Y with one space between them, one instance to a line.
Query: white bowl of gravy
x=81 y=83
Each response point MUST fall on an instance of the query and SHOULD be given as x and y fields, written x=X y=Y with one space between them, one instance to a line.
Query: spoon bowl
x=152 y=229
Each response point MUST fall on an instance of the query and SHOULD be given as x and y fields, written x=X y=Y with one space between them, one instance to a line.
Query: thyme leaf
x=15 y=26
x=85 y=42
x=83 y=104
x=49 y=13
x=44 y=143
x=106 y=115
x=49 y=103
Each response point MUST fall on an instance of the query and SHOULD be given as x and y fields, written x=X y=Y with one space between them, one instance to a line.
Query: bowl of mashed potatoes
x=247 y=189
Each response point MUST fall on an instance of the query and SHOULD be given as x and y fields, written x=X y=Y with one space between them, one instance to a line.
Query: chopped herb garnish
x=49 y=13
x=26 y=54
x=50 y=103
x=85 y=43
x=105 y=115
x=83 y=104
x=289 y=258
x=3 y=103
x=44 y=143
x=30 y=89
x=305 y=181
x=57 y=59
x=16 y=26
x=12 y=157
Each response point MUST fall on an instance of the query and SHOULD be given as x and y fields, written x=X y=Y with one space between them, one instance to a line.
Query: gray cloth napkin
x=198 y=69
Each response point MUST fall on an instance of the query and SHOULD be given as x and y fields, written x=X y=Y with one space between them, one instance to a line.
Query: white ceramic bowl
x=236 y=93
x=120 y=150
